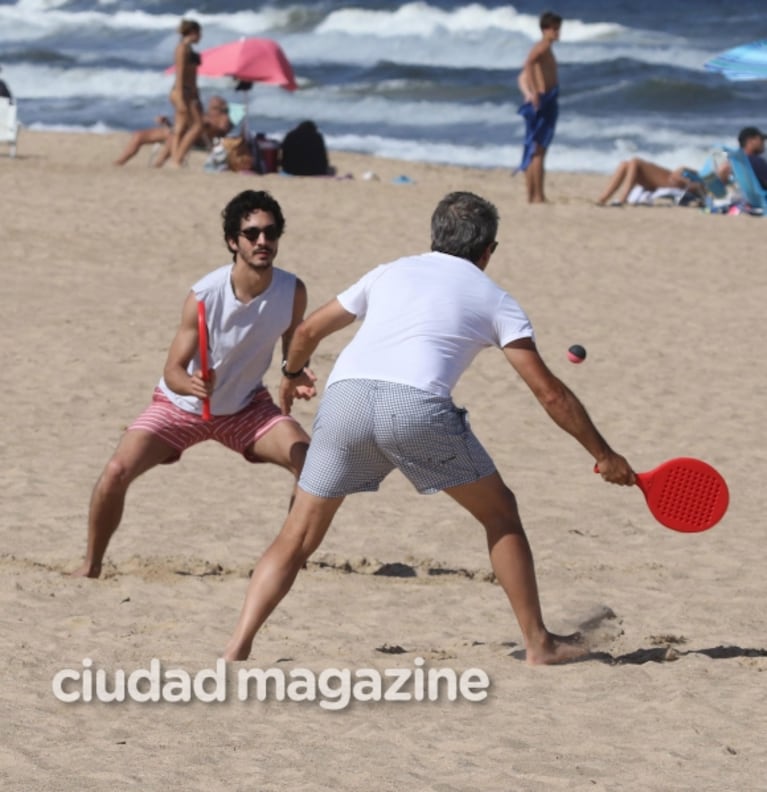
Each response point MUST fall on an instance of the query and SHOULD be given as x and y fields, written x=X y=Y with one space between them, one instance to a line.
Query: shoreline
x=116 y=140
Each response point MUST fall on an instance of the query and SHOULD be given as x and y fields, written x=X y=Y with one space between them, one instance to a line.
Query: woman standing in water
x=184 y=96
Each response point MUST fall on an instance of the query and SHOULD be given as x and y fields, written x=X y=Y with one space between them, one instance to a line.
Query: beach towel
x=641 y=197
x=675 y=196
x=539 y=124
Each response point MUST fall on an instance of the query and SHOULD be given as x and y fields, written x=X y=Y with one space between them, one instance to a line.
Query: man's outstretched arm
x=565 y=409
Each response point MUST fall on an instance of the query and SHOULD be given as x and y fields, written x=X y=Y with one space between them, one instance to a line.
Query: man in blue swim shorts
x=540 y=89
x=388 y=405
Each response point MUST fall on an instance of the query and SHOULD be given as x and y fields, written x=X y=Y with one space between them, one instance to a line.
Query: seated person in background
x=216 y=124
x=304 y=152
x=649 y=176
x=751 y=140
x=216 y=120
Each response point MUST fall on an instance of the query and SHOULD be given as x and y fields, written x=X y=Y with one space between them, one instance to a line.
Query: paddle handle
x=642 y=480
x=202 y=331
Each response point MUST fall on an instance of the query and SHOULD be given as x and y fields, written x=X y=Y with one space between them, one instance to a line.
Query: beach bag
x=268 y=154
x=304 y=152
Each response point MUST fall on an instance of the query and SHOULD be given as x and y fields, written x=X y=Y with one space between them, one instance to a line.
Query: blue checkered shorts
x=366 y=428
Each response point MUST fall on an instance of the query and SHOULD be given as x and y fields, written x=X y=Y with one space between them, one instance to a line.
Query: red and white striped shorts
x=181 y=429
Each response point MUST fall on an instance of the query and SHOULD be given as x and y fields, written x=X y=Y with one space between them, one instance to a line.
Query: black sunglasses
x=253 y=234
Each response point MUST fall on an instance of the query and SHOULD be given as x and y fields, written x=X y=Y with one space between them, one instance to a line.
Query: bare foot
x=233 y=653
x=87 y=570
x=556 y=649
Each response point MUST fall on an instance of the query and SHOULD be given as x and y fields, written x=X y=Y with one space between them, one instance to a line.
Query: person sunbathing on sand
x=649 y=176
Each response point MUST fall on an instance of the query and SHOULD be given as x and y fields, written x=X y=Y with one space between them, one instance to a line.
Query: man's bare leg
x=273 y=576
x=534 y=177
x=137 y=452
x=491 y=502
x=285 y=444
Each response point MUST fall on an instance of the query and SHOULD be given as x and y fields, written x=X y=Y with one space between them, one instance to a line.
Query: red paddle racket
x=685 y=494
x=202 y=331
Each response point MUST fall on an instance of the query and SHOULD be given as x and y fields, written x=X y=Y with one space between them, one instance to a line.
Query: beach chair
x=709 y=174
x=9 y=124
x=745 y=179
x=707 y=182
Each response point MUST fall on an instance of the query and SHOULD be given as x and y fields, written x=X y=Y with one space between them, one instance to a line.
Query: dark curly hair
x=245 y=204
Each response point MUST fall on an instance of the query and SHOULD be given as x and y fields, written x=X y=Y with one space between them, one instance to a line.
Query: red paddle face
x=685 y=494
x=202 y=331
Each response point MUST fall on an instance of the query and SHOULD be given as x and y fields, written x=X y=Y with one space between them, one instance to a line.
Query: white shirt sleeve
x=355 y=298
x=511 y=322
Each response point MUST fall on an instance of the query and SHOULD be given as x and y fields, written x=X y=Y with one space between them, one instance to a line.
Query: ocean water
x=432 y=80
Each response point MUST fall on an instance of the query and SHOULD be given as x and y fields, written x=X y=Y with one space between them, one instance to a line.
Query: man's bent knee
x=116 y=476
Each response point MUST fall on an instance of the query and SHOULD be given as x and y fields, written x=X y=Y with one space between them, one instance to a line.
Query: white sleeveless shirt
x=241 y=338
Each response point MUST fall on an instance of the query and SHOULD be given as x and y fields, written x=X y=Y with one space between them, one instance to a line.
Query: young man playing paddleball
x=388 y=405
x=250 y=305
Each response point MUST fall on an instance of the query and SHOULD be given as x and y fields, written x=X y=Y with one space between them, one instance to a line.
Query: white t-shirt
x=425 y=318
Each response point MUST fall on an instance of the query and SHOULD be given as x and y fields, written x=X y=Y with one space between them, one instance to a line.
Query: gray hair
x=463 y=225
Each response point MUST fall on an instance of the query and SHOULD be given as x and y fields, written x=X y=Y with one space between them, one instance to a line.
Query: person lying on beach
x=216 y=124
x=649 y=176
x=388 y=405
x=250 y=306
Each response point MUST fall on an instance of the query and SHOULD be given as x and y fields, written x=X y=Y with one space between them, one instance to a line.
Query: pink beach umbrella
x=248 y=60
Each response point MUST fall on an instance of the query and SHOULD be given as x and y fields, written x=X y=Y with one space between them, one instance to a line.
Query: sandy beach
x=668 y=302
